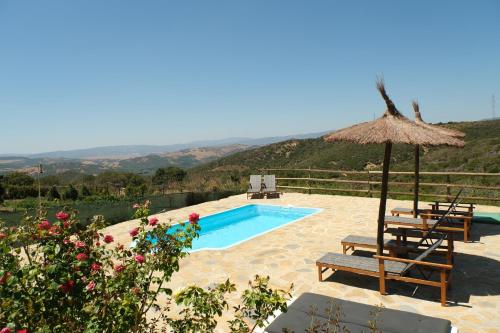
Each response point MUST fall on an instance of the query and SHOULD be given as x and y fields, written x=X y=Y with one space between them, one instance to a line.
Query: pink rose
x=62 y=216
x=95 y=267
x=5 y=330
x=153 y=221
x=194 y=218
x=44 y=225
x=82 y=256
x=24 y=330
x=139 y=259
x=119 y=268
x=90 y=286
x=79 y=244
x=134 y=232
x=66 y=241
x=2 y=235
x=108 y=239
x=135 y=206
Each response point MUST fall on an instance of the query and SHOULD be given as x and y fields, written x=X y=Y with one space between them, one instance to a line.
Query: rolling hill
x=143 y=164
x=481 y=154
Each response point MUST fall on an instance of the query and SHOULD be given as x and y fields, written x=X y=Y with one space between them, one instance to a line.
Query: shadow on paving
x=479 y=230
x=472 y=275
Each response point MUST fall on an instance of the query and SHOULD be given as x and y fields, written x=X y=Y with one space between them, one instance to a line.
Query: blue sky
x=77 y=74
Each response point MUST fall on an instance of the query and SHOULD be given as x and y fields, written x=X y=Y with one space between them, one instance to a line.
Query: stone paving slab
x=288 y=255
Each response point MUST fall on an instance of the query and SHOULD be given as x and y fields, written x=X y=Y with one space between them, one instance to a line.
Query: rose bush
x=58 y=275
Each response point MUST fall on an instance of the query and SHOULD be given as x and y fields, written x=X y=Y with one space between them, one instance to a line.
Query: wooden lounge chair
x=320 y=310
x=397 y=247
x=254 y=186
x=424 y=229
x=269 y=186
x=455 y=207
x=390 y=268
x=453 y=223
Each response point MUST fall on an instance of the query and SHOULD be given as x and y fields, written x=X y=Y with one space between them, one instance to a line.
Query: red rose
x=97 y=244
x=66 y=224
x=62 y=216
x=55 y=230
x=194 y=218
x=67 y=286
x=139 y=259
x=119 y=268
x=90 y=286
x=44 y=225
x=24 y=330
x=5 y=277
x=79 y=244
x=135 y=290
x=153 y=221
x=134 y=232
x=95 y=267
x=108 y=239
x=82 y=256
x=2 y=235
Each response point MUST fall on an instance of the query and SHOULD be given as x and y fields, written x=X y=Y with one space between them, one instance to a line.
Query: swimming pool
x=228 y=228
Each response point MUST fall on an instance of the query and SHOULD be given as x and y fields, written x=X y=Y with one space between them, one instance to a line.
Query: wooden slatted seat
x=360 y=263
x=396 y=246
x=389 y=268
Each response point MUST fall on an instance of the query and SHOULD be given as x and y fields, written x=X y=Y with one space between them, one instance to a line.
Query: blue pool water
x=230 y=227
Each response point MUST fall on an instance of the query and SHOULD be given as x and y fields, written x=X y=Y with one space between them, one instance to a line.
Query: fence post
x=309 y=181
x=369 y=184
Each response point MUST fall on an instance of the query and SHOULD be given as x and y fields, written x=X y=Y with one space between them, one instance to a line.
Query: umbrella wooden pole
x=383 y=198
x=417 y=180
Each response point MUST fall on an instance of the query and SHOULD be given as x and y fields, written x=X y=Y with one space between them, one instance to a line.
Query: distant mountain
x=130 y=151
x=146 y=164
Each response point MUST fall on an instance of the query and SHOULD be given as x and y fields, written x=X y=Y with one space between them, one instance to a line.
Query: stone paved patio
x=289 y=253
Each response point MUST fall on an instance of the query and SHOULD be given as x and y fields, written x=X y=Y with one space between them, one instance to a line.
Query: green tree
x=53 y=194
x=85 y=192
x=50 y=180
x=2 y=192
x=165 y=177
x=19 y=179
x=71 y=193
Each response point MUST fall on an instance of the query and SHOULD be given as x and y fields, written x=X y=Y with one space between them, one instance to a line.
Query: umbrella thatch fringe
x=420 y=121
x=393 y=127
x=391 y=108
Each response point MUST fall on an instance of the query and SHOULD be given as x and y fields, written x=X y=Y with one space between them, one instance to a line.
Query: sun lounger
x=254 y=186
x=452 y=223
x=390 y=268
x=269 y=186
x=355 y=317
x=395 y=247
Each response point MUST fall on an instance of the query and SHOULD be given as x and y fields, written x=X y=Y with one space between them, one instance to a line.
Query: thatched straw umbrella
x=442 y=130
x=391 y=128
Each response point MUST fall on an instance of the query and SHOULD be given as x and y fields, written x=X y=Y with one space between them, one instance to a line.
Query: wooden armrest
x=416 y=262
x=450 y=216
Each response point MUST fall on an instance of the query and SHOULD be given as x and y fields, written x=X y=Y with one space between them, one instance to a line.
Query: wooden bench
x=389 y=268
